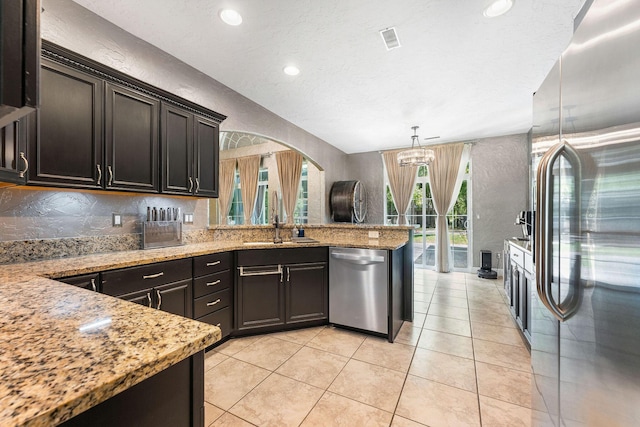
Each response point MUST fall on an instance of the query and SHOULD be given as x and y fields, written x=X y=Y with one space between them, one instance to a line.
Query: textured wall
x=368 y=169
x=500 y=177
x=27 y=214
x=76 y=28
x=500 y=186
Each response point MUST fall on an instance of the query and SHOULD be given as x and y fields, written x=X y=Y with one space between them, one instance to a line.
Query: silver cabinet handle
x=159 y=295
x=213 y=283
x=110 y=175
x=544 y=231
x=211 y=264
x=93 y=285
x=26 y=165
x=209 y=304
x=289 y=275
x=149 y=298
x=99 y=174
x=197 y=185
x=244 y=273
x=153 y=276
x=190 y=184
x=218 y=325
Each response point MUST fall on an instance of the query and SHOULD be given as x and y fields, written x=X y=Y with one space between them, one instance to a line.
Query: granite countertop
x=525 y=245
x=64 y=349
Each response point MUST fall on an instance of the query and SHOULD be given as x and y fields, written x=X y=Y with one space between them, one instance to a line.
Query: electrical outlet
x=374 y=234
x=188 y=218
x=116 y=220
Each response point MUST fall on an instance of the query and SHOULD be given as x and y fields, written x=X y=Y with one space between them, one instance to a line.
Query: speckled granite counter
x=63 y=350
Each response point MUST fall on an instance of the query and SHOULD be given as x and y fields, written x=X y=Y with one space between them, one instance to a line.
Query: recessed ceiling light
x=497 y=8
x=291 y=70
x=231 y=17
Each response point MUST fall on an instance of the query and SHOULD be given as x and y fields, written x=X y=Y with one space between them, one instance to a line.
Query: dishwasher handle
x=358 y=259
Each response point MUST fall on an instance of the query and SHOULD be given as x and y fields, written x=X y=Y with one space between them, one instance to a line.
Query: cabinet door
x=177 y=151
x=85 y=281
x=260 y=298
x=67 y=148
x=207 y=150
x=306 y=292
x=144 y=297
x=176 y=298
x=13 y=151
x=131 y=137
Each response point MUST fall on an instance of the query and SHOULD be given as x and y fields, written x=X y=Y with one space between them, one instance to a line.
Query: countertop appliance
x=359 y=288
x=585 y=349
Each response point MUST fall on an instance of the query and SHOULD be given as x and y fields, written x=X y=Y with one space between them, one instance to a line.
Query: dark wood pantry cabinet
x=13 y=149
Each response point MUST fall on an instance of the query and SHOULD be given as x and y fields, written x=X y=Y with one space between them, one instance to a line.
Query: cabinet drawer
x=277 y=256
x=213 y=263
x=221 y=318
x=517 y=256
x=86 y=281
x=212 y=302
x=212 y=283
x=127 y=280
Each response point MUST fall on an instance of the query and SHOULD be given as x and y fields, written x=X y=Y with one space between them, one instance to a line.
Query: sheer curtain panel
x=445 y=177
x=289 y=173
x=249 y=168
x=227 y=175
x=402 y=179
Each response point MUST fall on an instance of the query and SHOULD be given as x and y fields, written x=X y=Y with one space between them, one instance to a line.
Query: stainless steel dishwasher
x=358 y=288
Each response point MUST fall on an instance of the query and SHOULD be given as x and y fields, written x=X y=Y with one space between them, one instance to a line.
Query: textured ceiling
x=457 y=75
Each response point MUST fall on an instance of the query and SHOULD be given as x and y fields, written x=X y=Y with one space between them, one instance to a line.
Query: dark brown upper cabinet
x=19 y=59
x=131 y=136
x=13 y=148
x=100 y=129
x=67 y=148
x=190 y=151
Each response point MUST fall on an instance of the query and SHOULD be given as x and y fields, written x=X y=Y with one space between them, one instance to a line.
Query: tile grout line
x=475 y=365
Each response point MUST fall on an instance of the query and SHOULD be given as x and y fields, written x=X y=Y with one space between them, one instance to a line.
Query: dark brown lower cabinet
x=281 y=288
x=86 y=281
x=173 y=298
x=171 y=398
x=306 y=292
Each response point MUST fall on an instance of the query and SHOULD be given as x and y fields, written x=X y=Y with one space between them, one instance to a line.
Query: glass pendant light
x=416 y=155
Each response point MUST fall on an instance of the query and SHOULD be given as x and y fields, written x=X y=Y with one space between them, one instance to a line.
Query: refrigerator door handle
x=544 y=231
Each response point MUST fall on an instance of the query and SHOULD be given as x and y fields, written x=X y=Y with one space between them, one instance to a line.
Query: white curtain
x=289 y=173
x=227 y=175
x=402 y=180
x=446 y=173
x=249 y=168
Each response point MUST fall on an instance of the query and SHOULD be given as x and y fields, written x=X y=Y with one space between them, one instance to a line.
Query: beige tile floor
x=460 y=363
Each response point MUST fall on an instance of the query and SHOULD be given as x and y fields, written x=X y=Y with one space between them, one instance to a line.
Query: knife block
x=161 y=234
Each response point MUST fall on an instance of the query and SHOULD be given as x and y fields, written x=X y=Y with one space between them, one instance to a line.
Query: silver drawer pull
x=213 y=283
x=153 y=276
x=211 y=264
x=209 y=304
x=218 y=325
x=260 y=272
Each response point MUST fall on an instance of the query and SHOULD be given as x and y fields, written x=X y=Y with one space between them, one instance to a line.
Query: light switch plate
x=374 y=234
x=188 y=218
x=116 y=220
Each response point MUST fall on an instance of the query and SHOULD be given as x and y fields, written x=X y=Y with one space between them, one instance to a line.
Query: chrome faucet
x=276 y=223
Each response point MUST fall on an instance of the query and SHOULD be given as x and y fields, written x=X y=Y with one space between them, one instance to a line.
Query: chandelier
x=416 y=155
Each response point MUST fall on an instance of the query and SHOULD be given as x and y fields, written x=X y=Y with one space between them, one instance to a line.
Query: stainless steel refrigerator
x=585 y=350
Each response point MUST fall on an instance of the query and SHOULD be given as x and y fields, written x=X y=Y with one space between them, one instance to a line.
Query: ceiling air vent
x=390 y=38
